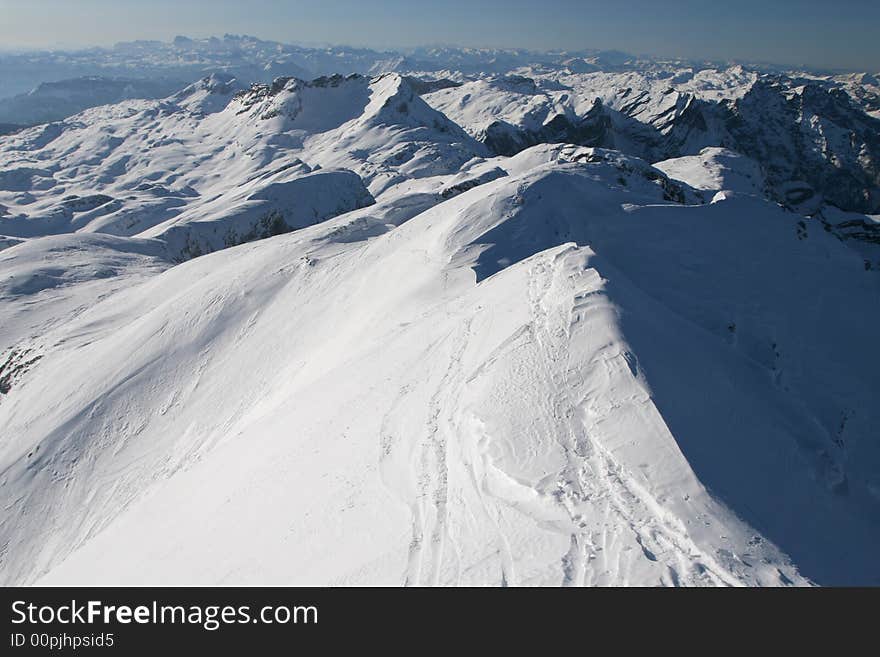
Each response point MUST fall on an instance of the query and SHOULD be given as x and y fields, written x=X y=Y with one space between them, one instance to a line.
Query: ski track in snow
x=593 y=490
x=610 y=522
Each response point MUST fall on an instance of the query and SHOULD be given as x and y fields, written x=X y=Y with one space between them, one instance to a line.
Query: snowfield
x=316 y=333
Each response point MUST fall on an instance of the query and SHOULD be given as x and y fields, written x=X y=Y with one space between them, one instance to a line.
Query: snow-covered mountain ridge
x=215 y=164
x=324 y=333
x=813 y=140
x=512 y=99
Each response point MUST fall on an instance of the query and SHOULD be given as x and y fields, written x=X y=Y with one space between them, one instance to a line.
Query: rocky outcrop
x=809 y=134
x=593 y=129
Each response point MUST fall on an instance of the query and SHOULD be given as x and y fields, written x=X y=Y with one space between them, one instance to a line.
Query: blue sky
x=838 y=34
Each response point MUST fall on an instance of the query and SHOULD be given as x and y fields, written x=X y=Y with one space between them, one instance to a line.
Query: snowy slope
x=648 y=111
x=716 y=169
x=218 y=164
x=814 y=139
x=48 y=281
x=373 y=330
x=815 y=136
x=558 y=376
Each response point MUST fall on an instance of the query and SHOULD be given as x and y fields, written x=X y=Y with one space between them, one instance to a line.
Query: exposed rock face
x=812 y=134
x=593 y=129
x=812 y=142
x=815 y=139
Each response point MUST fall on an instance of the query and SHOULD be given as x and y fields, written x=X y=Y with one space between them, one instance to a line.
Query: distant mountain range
x=254 y=60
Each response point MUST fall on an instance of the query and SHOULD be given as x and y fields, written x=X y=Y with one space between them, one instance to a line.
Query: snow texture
x=322 y=332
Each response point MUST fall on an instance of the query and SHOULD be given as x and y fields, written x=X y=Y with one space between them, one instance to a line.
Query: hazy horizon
x=808 y=33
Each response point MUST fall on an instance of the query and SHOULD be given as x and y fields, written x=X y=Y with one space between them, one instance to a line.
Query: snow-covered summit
x=716 y=170
x=142 y=167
